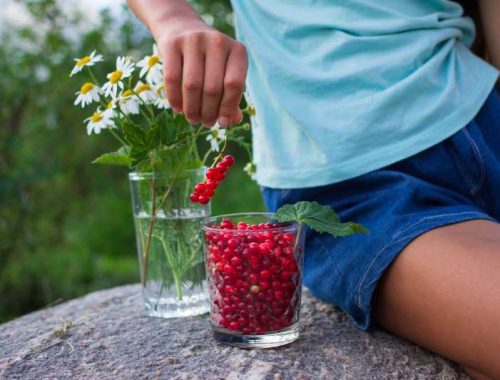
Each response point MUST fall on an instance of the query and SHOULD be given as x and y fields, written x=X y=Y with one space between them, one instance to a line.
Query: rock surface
x=105 y=336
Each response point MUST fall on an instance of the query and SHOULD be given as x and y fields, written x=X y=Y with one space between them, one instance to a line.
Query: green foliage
x=320 y=218
x=65 y=225
x=119 y=157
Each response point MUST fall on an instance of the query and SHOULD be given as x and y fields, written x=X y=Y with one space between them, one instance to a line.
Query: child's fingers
x=172 y=72
x=192 y=78
x=234 y=84
x=217 y=48
x=238 y=117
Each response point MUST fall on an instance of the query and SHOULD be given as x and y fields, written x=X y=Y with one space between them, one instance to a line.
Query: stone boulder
x=104 y=335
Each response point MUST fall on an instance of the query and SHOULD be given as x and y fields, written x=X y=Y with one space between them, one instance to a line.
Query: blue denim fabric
x=453 y=181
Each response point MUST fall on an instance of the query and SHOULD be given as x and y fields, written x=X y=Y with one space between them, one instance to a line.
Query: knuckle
x=168 y=44
x=192 y=38
x=211 y=90
x=218 y=40
x=234 y=84
x=191 y=85
x=171 y=77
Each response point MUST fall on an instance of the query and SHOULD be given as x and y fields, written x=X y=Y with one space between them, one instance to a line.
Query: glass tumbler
x=254 y=273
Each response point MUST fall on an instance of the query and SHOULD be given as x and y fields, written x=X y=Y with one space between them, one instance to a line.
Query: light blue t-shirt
x=345 y=87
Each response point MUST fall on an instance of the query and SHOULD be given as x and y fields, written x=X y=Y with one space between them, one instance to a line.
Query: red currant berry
x=233 y=243
x=234 y=325
x=265 y=275
x=200 y=188
x=212 y=173
x=236 y=261
x=226 y=223
x=265 y=285
x=203 y=199
x=221 y=167
x=228 y=160
x=211 y=184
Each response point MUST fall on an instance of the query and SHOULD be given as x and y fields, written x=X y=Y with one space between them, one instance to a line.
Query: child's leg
x=443 y=293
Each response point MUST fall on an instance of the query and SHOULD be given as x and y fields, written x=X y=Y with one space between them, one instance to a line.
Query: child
x=379 y=109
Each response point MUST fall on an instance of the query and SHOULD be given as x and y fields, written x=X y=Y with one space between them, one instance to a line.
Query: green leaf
x=120 y=157
x=320 y=218
x=136 y=136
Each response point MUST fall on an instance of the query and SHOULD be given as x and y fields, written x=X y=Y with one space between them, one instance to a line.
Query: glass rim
x=205 y=223
x=150 y=175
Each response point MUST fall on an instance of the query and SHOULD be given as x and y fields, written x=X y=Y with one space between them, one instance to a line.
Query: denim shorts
x=453 y=181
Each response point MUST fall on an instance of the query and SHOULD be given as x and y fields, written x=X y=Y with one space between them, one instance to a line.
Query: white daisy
x=129 y=103
x=145 y=92
x=216 y=135
x=161 y=98
x=88 y=93
x=124 y=69
x=88 y=60
x=151 y=67
x=100 y=120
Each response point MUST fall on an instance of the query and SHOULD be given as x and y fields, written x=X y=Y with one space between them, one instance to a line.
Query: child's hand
x=204 y=70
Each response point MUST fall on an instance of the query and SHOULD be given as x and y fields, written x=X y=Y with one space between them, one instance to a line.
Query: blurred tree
x=65 y=225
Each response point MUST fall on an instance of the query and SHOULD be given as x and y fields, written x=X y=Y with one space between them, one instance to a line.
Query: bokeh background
x=66 y=225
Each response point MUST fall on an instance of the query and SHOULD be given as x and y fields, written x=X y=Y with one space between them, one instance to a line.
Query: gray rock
x=105 y=336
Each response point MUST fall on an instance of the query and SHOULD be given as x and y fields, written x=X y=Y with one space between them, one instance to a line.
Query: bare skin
x=443 y=293
x=490 y=15
x=204 y=70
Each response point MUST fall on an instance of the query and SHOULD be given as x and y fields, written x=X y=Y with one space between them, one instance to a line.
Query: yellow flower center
x=143 y=87
x=127 y=93
x=153 y=60
x=160 y=89
x=110 y=105
x=83 y=61
x=96 y=117
x=87 y=87
x=115 y=76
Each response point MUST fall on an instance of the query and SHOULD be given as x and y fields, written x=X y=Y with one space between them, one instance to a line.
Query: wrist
x=174 y=20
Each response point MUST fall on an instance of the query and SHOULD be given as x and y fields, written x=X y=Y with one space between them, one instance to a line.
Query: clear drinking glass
x=254 y=272
x=170 y=243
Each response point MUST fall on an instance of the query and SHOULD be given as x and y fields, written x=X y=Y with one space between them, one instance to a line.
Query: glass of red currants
x=254 y=268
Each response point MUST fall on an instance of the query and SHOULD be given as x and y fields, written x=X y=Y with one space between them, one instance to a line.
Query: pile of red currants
x=253 y=276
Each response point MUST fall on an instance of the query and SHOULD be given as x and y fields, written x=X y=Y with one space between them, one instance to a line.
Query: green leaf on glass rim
x=120 y=157
x=320 y=218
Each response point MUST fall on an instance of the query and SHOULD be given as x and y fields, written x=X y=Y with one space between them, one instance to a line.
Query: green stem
x=92 y=76
x=203 y=131
x=178 y=286
x=171 y=264
x=145 y=253
x=154 y=209
x=117 y=137
x=146 y=105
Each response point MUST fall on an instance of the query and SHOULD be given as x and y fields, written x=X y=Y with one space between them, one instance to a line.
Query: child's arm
x=204 y=69
x=490 y=15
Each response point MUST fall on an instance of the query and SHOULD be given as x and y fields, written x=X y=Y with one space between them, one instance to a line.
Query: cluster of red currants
x=253 y=277
x=205 y=190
